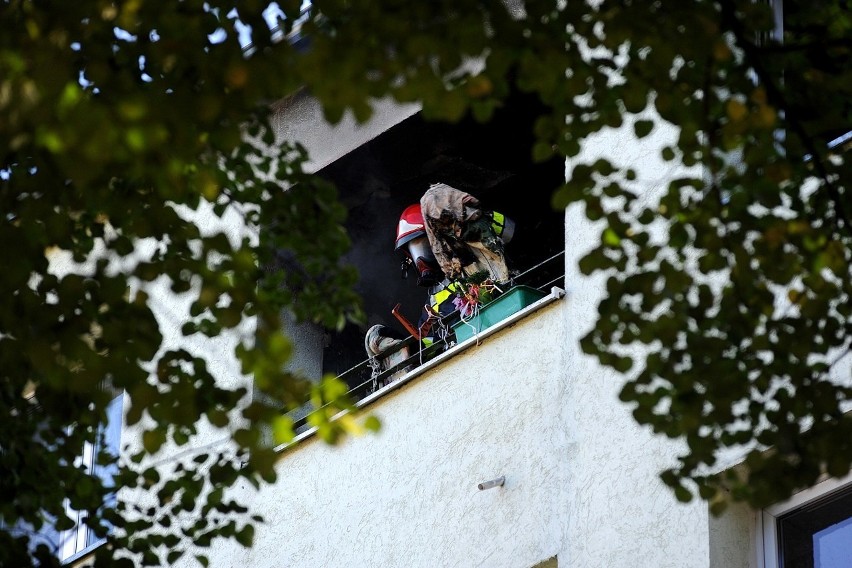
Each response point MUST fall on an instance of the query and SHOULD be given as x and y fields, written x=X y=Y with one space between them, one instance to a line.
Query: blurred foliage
x=138 y=159
x=129 y=127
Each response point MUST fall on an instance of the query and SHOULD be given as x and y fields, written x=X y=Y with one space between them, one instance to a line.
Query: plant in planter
x=473 y=292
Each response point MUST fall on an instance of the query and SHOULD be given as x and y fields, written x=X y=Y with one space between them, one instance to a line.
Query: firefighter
x=413 y=243
x=455 y=238
x=467 y=240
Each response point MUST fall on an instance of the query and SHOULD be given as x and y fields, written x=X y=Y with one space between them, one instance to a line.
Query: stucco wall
x=618 y=512
x=408 y=496
x=733 y=538
x=299 y=118
x=581 y=476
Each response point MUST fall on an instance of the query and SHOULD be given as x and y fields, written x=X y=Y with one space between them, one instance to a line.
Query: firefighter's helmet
x=410 y=225
x=411 y=239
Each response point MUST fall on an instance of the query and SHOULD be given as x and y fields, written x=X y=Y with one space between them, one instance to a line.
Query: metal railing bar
x=540 y=264
x=553 y=282
x=420 y=355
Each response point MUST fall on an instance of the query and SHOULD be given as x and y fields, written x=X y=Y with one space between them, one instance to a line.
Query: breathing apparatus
x=412 y=241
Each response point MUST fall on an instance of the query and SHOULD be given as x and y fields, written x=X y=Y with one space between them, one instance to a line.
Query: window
x=378 y=180
x=811 y=530
x=70 y=544
x=803 y=27
x=77 y=540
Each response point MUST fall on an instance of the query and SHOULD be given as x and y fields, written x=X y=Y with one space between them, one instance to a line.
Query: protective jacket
x=461 y=234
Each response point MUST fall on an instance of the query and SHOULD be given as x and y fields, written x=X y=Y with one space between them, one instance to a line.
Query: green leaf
x=610 y=238
x=683 y=494
x=282 y=429
x=153 y=440
x=643 y=128
x=245 y=536
x=542 y=152
x=372 y=423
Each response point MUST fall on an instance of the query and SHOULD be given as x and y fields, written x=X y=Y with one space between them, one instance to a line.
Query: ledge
x=83 y=558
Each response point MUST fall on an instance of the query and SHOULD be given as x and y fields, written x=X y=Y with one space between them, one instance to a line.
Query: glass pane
x=833 y=545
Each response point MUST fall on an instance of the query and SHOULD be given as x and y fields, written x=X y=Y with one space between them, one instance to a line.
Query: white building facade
x=522 y=403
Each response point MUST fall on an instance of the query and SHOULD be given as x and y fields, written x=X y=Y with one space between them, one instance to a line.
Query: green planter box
x=512 y=301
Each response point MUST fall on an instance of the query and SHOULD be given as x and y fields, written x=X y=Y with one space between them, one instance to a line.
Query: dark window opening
x=381 y=178
x=817 y=100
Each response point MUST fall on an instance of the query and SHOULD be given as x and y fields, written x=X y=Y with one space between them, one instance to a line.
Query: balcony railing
x=368 y=378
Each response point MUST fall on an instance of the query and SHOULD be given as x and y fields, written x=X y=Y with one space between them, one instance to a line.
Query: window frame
x=767 y=534
x=76 y=542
